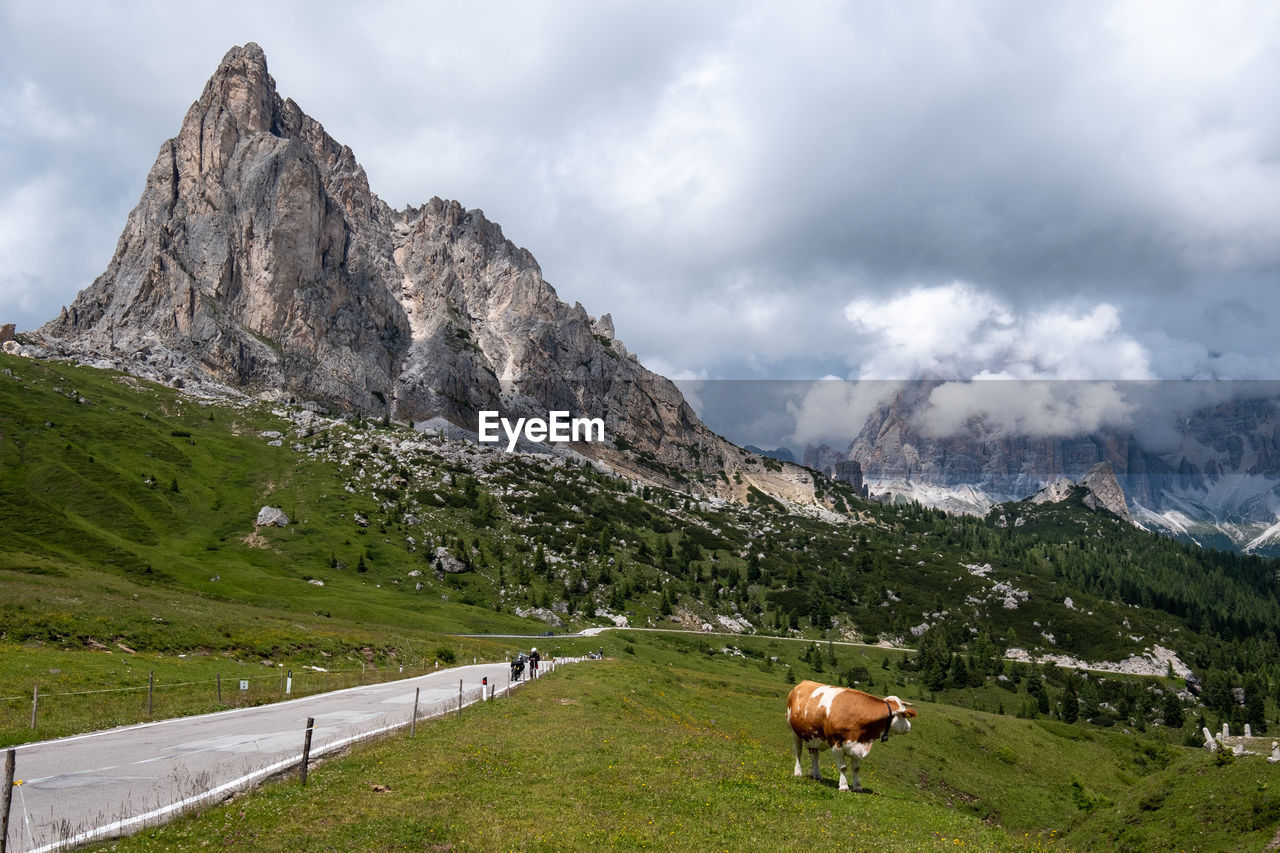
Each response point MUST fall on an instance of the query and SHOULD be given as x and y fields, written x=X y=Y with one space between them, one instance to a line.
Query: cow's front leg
x=855 y=752
x=813 y=757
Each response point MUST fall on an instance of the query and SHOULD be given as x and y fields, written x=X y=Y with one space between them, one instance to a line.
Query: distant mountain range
x=783 y=454
x=1202 y=470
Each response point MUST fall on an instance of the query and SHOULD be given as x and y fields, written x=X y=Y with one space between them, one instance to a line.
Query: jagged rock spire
x=1105 y=490
x=239 y=99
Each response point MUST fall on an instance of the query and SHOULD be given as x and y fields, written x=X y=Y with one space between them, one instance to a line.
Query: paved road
x=110 y=783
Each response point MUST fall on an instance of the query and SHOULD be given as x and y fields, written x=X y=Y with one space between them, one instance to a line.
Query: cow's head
x=902 y=713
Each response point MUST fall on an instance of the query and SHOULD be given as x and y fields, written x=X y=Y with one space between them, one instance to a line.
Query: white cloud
x=1024 y=408
x=35 y=230
x=956 y=331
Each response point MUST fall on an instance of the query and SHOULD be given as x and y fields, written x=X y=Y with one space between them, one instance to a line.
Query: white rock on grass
x=270 y=516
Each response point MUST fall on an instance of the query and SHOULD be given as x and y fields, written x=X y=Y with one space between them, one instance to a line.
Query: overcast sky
x=883 y=190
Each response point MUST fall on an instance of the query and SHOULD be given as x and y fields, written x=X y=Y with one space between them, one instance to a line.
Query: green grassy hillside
x=127 y=511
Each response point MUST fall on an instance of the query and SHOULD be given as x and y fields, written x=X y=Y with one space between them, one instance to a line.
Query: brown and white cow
x=847 y=720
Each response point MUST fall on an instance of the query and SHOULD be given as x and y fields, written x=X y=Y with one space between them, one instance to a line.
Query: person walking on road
x=533 y=662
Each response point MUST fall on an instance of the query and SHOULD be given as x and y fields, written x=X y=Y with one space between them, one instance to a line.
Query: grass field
x=663 y=749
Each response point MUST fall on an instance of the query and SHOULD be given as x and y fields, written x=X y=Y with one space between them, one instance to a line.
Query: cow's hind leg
x=813 y=756
x=797 y=749
x=841 y=763
x=854 y=785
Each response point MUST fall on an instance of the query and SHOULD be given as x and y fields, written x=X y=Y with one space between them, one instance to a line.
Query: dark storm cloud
x=749 y=189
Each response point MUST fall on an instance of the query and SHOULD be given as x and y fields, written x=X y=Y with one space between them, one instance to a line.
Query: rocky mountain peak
x=604 y=326
x=1102 y=490
x=257 y=257
x=240 y=93
x=1105 y=490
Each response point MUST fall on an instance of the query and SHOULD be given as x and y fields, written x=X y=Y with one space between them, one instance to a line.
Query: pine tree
x=1171 y=710
x=1069 y=708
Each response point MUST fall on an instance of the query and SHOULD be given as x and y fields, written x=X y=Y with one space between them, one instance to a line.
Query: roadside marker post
x=6 y=800
x=35 y=703
x=306 y=748
x=413 y=721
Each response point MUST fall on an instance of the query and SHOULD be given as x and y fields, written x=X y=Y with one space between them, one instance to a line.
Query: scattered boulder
x=540 y=613
x=447 y=563
x=270 y=516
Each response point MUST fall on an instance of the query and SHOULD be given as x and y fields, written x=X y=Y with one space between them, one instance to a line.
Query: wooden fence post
x=459 y=697
x=151 y=686
x=306 y=748
x=413 y=721
x=35 y=703
x=219 y=688
x=6 y=799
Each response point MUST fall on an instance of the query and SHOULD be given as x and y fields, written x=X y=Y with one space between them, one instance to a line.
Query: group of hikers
x=518 y=664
